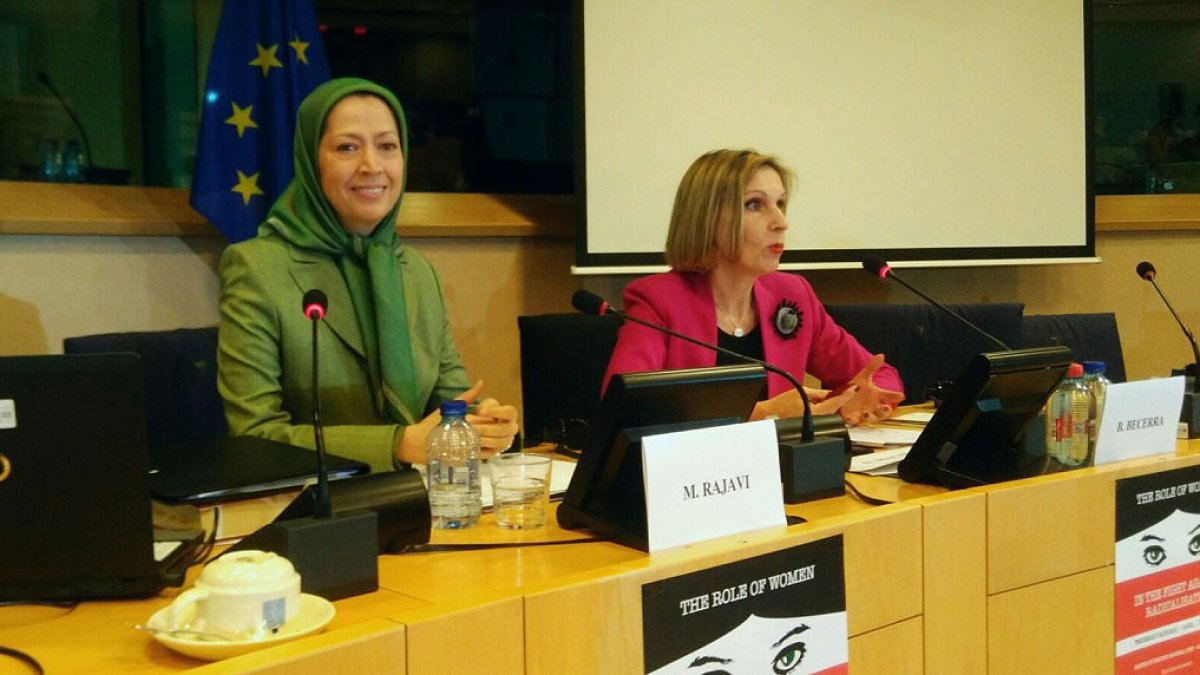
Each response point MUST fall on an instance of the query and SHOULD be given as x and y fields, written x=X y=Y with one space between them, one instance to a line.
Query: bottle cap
x=1076 y=370
x=1093 y=367
x=455 y=407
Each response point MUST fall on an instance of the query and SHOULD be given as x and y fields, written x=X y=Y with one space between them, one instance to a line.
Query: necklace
x=736 y=323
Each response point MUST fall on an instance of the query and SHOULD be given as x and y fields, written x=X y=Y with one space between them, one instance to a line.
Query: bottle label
x=1063 y=428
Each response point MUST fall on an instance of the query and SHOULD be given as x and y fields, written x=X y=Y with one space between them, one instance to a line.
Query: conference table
x=1014 y=577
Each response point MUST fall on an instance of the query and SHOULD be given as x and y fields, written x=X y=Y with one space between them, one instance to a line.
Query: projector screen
x=927 y=131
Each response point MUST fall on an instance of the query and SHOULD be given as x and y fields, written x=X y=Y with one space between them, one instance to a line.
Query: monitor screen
x=606 y=493
x=976 y=435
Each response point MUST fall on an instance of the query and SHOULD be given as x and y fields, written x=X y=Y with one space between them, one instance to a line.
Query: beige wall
x=54 y=286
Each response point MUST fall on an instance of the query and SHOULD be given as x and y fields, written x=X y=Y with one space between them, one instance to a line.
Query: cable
x=873 y=501
x=210 y=541
x=428 y=548
x=23 y=658
x=66 y=604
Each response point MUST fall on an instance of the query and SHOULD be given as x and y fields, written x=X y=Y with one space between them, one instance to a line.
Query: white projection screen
x=928 y=131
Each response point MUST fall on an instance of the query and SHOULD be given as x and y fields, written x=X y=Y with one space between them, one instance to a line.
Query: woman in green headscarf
x=387 y=358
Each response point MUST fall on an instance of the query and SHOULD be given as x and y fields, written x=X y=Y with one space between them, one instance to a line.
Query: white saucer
x=315 y=612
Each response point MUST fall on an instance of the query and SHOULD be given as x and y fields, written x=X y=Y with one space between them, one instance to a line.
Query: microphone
x=880 y=268
x=588 y=302
x=1191 y=411
x=1146 y=271
x=94 y=173
x=314 y=304
x=87 y=146
x=818 y=478
x=335 y=554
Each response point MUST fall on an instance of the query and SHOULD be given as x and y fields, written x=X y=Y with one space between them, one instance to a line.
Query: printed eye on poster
x=783 y=612
x=1158 y=573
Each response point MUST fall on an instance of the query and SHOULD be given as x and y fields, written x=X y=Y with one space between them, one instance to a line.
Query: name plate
x=1139 y=419
x=711 y=482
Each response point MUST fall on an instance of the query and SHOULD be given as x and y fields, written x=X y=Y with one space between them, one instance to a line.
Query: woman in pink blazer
x=724 y=244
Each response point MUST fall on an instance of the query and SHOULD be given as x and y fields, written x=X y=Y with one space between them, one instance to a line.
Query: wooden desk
x=937 y=583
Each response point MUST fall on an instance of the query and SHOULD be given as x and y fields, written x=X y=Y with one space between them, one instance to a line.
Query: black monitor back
x=606 y=493
x=975 y=437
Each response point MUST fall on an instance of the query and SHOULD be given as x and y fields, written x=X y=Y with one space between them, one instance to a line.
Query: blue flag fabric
x=267 y=56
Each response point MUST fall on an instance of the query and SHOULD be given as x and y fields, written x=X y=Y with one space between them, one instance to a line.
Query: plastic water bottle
x=1097 y=384
x=1069 y=437
x=73 y=162
x=51 y=160
x=452 y=466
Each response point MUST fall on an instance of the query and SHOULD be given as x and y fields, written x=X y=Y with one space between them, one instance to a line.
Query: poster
x=782 y=612
x=1158 y=573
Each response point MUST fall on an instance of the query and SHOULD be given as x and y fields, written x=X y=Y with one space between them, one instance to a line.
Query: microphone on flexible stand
x=1190 y=413
x=812 y=458
x=1146 y=271
x=94 y=173
x=335 y=554
x=314 y=303
x=880 y=268
x=1033 y=440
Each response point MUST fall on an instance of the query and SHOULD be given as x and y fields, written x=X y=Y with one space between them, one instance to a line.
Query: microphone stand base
x=1190 y=414
x=336 y=557
x=813 y=469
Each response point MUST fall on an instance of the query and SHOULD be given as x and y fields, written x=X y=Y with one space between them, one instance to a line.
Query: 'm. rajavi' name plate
x=711 y=482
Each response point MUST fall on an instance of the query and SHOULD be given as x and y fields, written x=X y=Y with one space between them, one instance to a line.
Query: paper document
x=881 y=463
x=882 y=436
x=916 y=417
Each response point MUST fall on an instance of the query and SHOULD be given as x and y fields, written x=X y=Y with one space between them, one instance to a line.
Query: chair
x=924 y=343
x=563 y=359
x=1091 y=337
x=180 y=370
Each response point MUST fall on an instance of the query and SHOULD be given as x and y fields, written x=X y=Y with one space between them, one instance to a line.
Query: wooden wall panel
x=1060 y=626
x=955 y=583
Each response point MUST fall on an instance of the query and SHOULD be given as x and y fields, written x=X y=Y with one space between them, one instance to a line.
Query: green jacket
x=265 y=352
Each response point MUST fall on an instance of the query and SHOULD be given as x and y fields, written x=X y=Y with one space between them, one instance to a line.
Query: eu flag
x=266 y=57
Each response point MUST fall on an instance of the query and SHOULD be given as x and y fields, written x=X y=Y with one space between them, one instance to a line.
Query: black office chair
x=563 y=359
x=925 y=344
x=1091 y=337
x=180 y=369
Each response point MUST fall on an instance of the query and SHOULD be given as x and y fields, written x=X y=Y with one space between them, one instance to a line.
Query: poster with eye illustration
x=1158 y=573
x=782 y=613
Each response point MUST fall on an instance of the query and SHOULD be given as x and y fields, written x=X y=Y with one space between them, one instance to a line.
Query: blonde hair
x=708 y=205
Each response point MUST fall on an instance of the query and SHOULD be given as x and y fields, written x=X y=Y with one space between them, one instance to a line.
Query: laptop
x=75 y=515
x=238 y=467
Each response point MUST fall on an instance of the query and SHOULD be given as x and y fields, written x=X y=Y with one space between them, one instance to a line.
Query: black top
x=750 y=344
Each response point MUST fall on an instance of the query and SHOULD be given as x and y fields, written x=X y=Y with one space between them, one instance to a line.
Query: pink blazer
x=683 y=302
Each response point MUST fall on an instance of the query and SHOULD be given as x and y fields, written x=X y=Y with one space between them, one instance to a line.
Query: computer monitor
x=606 y=494
x=976 y=435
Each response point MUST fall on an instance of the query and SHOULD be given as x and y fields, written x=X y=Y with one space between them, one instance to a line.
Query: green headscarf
x=303 y=217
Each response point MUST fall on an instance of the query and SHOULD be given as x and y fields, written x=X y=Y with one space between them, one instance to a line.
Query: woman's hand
x=789 y=403
x=496 y=424
x=869 y=401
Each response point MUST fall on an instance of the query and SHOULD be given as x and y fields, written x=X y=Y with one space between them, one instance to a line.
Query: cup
x=520 y=489
x=243 y=595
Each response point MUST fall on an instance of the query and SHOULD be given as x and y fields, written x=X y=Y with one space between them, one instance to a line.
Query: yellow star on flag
x=266 y=59
x=247 y=187
x=241 y=118
x=301 y=48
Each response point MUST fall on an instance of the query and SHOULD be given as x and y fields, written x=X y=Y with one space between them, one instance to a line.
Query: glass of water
x=520 y=489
